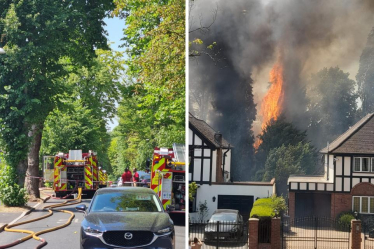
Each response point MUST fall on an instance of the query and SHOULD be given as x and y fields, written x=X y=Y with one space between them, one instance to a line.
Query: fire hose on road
x=35 y=235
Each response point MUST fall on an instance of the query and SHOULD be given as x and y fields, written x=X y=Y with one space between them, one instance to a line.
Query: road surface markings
x=62 y=221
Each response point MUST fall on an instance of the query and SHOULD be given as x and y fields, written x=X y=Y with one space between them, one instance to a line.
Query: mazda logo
x=128 y=235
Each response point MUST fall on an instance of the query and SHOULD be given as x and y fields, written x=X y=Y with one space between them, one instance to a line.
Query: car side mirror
x=81 y=208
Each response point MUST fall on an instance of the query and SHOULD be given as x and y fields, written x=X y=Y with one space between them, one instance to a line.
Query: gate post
x=253 y=233
x=355 y=234
x=275 y=233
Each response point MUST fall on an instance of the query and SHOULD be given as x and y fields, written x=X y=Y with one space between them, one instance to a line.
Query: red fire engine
x=71 y=171
x=168 y=177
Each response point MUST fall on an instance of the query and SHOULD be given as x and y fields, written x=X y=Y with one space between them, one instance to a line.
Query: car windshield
x=125 y=202
x=223 y=217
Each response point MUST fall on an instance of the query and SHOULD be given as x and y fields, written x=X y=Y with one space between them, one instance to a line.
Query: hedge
x=262 y=208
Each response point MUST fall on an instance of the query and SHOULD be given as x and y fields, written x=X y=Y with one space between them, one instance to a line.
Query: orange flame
x=271 y=106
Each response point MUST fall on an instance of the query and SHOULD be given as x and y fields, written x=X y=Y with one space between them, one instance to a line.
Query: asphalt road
x=64 y=238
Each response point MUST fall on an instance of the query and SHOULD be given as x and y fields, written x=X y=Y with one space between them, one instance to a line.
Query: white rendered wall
x=347 y=166
x=227 y=161
x=331 y=168
x=206 y=192
x=325 y=166
x=214 y=163
x=190 y=133
x=339 y=165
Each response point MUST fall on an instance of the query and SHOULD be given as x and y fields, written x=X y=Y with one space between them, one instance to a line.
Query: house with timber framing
x=210 y=167
x=348 y=180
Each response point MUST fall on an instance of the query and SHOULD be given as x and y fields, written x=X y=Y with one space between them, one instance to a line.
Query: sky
x=115 y=28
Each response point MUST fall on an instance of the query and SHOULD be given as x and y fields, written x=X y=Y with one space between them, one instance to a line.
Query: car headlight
x=164 y=231
x=92 y=232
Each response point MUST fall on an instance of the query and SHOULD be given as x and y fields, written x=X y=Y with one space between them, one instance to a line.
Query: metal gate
x=368 y=232
x=220 y=234
x=314 y=232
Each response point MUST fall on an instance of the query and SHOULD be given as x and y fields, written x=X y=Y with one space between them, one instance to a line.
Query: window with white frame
x=363 y=204
x=362 y=164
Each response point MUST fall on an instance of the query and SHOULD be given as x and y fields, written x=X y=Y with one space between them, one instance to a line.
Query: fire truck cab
x=73 y=170
x=168 y=177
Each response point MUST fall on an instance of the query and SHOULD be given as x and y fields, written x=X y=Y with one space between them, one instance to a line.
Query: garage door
x=312 y=205
x=243 y=203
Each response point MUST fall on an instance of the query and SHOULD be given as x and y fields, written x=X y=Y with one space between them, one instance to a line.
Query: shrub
x=344 y=220
x=203 y=210
x=262 y=208
x=11 y=194
x=265 y=207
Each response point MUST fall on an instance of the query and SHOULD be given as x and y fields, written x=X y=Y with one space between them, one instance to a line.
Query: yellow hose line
x=35 y=234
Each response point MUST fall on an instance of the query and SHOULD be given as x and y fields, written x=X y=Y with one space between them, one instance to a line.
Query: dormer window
x=362 y=164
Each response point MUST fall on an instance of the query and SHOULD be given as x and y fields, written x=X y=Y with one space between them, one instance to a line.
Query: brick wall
x=264 y=246
x=355 y=239
x=340 y=202
x=363 y=189
x=253 y=233
x=291 y=204
x=275 y=233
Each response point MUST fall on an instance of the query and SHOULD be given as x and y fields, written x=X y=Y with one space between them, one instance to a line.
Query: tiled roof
x=359 y=139
x=206 y=131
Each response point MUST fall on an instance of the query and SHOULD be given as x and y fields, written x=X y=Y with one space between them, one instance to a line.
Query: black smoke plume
x=251 y=36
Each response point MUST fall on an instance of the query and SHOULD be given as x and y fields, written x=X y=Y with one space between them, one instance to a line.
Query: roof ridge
x=204 y=122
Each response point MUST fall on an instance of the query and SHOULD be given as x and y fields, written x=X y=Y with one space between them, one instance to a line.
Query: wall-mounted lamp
x=214 y=199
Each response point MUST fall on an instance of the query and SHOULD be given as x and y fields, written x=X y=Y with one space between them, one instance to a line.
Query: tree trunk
x=21 y=172
x=32 y=183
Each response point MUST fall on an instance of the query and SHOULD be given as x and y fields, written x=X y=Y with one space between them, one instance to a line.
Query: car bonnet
x=114 y=221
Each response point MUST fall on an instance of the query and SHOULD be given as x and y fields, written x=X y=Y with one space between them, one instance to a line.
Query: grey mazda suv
x=126 y=217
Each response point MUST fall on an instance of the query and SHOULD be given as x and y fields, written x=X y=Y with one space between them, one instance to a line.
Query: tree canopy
x=152 y=110
x=332 y=106
x=38 y=36
x=365 y=76
x=284 y=161
x=276 y=134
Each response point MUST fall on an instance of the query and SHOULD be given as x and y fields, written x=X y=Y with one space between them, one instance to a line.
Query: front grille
x=117 y=238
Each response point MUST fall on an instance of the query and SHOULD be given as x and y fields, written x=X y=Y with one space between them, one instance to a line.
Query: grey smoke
x=250 y=34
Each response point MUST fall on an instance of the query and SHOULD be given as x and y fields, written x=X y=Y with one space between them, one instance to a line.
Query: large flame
x=271 y=106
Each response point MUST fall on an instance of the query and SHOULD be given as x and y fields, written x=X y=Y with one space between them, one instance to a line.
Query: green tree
x=287 y=160
x=276 y=134
x=89 y=102
x=192 y=189
x=155 y=36
x=152 y=110
x=38 y=34
x=365 y=76
x=332 y=105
